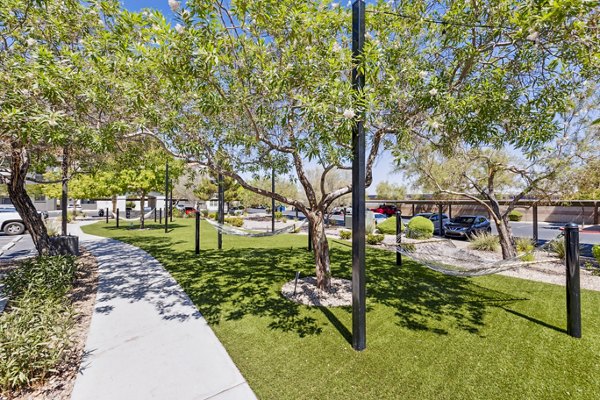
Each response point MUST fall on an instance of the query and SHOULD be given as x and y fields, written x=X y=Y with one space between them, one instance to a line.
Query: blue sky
x=383 y=168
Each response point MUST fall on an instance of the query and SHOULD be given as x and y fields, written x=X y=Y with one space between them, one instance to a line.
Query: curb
x=10 y=245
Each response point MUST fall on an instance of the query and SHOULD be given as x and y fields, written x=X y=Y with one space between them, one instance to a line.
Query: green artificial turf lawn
x=429 y=336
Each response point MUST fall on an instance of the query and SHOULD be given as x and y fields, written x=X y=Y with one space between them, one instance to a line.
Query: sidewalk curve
x=147 y=340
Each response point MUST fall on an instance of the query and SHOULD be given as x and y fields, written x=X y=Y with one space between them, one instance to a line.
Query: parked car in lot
x=189 y=210
x=465 y=227
x=379 y=217
x=434 y=217
x=11 y=222
x=239 y=210
x=386 y=209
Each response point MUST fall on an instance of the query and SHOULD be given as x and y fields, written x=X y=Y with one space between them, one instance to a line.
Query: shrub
x=235 y=221
x=129 y=204
x=35 y=327
x=278 y=215
x=388 y=226
x=212 y=215
x=558 y=247
x=373 y=238
x=345 y=234
x=525 y=246
x=204 y=213
x=485 y=242
x=43 y=277
x=596 y=252
x=419 y=228
x=34 y=339
x=515 y=215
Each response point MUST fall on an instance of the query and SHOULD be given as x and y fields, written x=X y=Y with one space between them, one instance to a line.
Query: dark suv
x=466 y=226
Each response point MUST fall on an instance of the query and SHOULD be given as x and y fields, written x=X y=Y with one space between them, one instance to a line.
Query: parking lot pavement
x=22 y=248
x=5 y=240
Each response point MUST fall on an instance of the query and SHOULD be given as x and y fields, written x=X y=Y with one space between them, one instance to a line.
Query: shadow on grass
x=534 y=320
x=232 y=284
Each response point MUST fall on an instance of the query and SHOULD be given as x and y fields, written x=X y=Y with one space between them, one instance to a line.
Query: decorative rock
x=308 y=294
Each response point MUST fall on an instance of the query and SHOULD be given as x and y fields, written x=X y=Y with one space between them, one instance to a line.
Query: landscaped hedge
x=388 y=227
x=35 y=326
x=596 y=252
x=373 y=238
x=235 y=221
x=419 y=228
x=515 y=215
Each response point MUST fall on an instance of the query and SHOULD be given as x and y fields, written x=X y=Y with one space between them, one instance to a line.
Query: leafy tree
x=53 y=94
x=390 y=191
x=209 y=186
x=258 y=83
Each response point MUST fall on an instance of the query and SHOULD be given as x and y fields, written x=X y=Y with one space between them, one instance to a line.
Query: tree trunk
x=18 y=195
x=114 y=204
x=142 y=201
x=321 y=249
x=507 y=242
x=64 y=192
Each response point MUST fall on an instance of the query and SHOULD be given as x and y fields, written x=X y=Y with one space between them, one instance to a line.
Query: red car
x=385 y=209
x=190 y=210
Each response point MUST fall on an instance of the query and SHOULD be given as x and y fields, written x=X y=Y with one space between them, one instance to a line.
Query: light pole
x=359 y=325
x=166 y=197
x=273 y=199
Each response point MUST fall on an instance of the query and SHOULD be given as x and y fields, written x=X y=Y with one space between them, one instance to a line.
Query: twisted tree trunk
x=321 y=248
x=507 y=242
x=18 y=195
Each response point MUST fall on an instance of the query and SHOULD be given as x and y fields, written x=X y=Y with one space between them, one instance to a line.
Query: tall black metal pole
x=273 y=200
x=359 y=320
x=398 y=236
x=573 y=292
x=535 y=225
x=107 y=215
x=197 y=232
x=167 y=197
x=117 y=217
x=441 y=231
x=160 y=216
x=171 y=203
x=154 y=213
x=221 y=211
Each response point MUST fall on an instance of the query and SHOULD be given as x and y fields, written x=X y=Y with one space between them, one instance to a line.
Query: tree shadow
x=232 y=284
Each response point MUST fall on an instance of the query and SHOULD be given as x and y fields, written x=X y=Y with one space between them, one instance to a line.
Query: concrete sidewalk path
x=147 y=340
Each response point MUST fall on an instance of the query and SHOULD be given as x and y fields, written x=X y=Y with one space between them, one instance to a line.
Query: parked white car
x=11 y=222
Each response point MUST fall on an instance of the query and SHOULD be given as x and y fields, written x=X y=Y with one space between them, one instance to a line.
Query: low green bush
x=204 y=213
x=525 y=247
x=373 y=238
x=43 y=277
x=485 y=242
x=345 y=235
x=419 y=228
x=596 y=252
x=35 y=327
x=212 y=215
x=34 y=339
x=515 y=215
x=278 y=215
x=558 y=247
x=235 y=221
x=388 y=226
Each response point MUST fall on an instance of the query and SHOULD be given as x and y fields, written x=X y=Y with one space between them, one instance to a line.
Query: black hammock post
x=117 y=217
x=398 y=236
x=573 y=292
x=197 y=232
x=166 y=197
x=107 y=215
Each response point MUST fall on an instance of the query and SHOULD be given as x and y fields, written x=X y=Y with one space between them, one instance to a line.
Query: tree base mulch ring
x=59 y=385
x=308 y=294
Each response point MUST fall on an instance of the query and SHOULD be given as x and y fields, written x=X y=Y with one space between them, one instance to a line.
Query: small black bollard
x=296 y=282
x=107 y=215
x=117 y=217
x=441 y=232
x=573 y=292
x=197 y=232
x=398 y=236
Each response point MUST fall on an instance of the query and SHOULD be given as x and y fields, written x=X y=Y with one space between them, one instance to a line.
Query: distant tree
x=390 y=191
